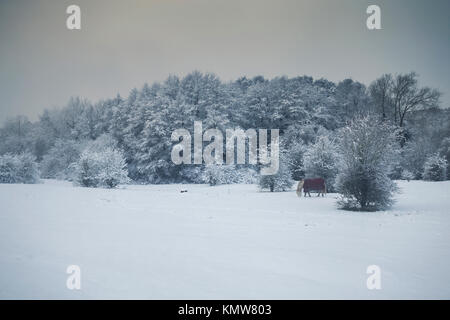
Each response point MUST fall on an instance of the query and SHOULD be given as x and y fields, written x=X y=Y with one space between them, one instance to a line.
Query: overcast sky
x=124 y=44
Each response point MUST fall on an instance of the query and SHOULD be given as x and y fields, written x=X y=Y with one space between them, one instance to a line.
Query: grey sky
x=124 y=44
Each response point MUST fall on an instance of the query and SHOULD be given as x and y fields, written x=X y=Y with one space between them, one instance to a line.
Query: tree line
x=309 y=114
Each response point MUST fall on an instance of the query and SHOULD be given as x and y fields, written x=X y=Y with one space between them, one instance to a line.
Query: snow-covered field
x=219 y=242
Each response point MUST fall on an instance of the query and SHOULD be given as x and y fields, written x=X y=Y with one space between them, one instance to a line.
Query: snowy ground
x=219 y=242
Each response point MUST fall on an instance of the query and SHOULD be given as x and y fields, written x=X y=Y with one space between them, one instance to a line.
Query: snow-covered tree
x=435 y=168
x=113 y=170
x=396 y=97
x=366 y=149
x=296 y=154
x=102 y=143
x=214 y=174
x=105 y=168
x=8 y=168
x=352 y=99
x=407 y=175
x=444 y=151
x=20 y=168
x=281 y=181
x=246 y=175
x=28 y=171
x=414 y=154
x=140 y=125
x=407 y=96
x=320 y=161
x=87 y=169
x=56 y=163
x=16 y=135
x=380 y=94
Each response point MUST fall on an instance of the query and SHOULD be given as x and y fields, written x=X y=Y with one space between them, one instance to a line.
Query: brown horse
x=316 y=185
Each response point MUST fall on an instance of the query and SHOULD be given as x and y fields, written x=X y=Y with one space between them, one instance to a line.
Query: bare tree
x=407 y=96
x=401 y=95
x=380 y=91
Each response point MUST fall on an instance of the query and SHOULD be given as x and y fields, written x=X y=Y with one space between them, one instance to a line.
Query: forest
x=126 y=139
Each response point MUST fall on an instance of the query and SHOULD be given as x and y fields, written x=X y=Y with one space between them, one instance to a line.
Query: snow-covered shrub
x=113 y=171
x=28 y=171
x=87 y=169
x=367 y=149
x=57 y=162
x=407 y=175
x=247 y=175
x=191 y=174
x=8 y=165
x=281 y=181
x=320 y=161
x=105 y=168
x=20 y=168
x=435 y=168
x=214 y=174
